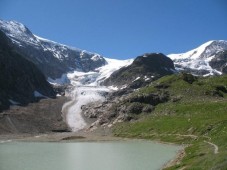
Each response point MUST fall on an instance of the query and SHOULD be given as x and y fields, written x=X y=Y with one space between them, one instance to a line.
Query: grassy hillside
x=195 y=115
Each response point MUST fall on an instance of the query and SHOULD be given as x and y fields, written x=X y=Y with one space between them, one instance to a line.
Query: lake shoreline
x=82 y=136
x=109 y=154
x=100 y=134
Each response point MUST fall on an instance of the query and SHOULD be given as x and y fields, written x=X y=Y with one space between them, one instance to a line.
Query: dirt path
x=195 y=137
x=191 y=136
x=215 y=147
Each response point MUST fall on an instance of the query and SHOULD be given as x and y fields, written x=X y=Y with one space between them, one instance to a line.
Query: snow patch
x=38 y=94
x=124 y=86
x=146 y=78
x=96 y=57
x=136 y=79
x=13 y=102
x=113 y=88
x=111 y=66
x=63 y=80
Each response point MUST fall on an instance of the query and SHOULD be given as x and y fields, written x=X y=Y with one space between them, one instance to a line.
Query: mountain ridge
x=53 y=58
x=198 y=61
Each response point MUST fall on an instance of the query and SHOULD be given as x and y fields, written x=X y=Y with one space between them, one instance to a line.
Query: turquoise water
x=121 y=155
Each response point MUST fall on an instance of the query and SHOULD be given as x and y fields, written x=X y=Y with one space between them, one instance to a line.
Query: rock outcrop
x=122 y=108
x=142 y=71
x=220 y=62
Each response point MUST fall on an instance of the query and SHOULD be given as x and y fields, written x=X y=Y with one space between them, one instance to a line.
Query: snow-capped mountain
x=61 y=64
x=52 y=58
x=56 y=60
x=200 y=61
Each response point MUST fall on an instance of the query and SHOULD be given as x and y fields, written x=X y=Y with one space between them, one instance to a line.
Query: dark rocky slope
x=220 y=62
x=143 y=70
x=20 y=80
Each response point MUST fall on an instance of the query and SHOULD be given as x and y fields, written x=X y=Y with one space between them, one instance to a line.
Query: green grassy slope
x=195 y=114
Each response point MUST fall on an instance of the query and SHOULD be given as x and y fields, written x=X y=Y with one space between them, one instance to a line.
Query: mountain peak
x=197 y=60
x=205 y=50
x=143 y=70
x=14 y=28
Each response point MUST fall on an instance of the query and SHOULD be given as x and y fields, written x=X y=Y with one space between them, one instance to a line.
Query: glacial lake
x=114 y=155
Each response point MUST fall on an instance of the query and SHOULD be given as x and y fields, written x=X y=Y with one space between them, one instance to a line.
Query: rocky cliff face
x=20 y=81
x=52 y=58
x=143 y=70
x=122 y=108
x=219 y=62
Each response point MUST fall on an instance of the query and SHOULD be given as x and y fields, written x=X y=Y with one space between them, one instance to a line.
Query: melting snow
x=62 y=80
x=113 y=88
x=38 y=94
x=136 y=79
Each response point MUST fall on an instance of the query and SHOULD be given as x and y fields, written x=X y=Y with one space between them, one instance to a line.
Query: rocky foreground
x=42 y=117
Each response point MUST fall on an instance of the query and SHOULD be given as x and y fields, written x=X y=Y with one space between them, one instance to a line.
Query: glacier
x=87 y=89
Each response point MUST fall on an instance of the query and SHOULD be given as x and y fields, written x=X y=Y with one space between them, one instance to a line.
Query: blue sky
x=122 y=28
